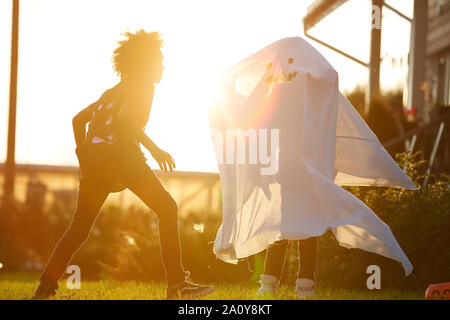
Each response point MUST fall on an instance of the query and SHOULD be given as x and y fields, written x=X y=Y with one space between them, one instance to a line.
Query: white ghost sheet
x=300 y=140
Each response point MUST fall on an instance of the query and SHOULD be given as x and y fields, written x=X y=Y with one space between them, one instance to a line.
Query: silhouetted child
x=111 y=160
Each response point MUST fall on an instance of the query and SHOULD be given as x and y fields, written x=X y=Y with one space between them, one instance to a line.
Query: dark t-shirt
x=111 y=151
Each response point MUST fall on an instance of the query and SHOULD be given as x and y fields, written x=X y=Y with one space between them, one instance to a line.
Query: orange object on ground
x=440 y=291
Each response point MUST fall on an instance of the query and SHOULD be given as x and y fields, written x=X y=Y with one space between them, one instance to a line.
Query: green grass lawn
x=21 y=286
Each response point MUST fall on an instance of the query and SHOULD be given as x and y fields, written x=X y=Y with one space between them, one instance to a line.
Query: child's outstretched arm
x=164 y=159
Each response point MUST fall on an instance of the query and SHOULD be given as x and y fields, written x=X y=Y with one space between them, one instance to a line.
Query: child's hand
x=164 y=159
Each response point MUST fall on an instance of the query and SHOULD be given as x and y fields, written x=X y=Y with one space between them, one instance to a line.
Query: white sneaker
x=305 y=288
x=269 y=284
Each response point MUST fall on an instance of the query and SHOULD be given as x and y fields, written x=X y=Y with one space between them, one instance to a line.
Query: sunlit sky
x=65 y=63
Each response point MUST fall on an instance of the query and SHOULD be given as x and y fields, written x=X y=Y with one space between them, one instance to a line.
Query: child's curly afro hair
x=136 y=52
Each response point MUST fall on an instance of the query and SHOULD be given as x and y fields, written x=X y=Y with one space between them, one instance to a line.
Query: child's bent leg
x=150 y=190
x=308 y=258
x=89 y=201
x=273 y=265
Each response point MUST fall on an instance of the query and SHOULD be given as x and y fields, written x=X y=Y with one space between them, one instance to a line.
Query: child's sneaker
x=45 y=290
x=305 y=288
x=269 y=284
x=187 y=289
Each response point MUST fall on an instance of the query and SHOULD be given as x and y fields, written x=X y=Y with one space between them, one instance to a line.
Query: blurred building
x=40 y=186
x=427 y=109
x=438 y=53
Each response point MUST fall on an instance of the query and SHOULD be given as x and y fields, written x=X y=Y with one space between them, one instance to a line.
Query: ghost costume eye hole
x=282 y=77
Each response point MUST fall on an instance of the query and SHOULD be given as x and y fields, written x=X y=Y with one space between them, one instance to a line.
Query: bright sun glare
x=65 y=64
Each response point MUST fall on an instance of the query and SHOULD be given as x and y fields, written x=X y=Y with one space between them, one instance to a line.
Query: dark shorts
x=111 y=165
